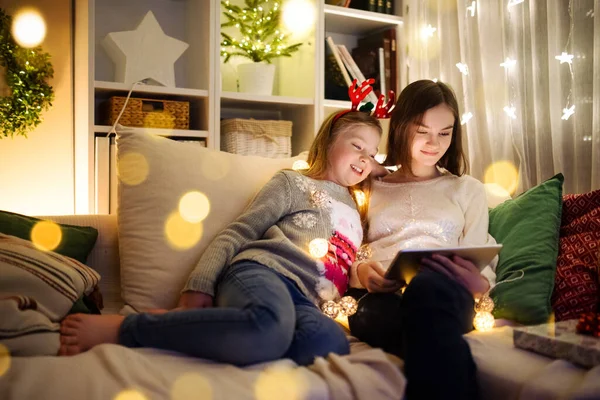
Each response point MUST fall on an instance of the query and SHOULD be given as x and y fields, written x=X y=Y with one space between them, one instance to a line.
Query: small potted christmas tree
x=260 y=40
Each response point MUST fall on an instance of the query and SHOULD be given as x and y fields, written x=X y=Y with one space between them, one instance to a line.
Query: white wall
x=36 y=174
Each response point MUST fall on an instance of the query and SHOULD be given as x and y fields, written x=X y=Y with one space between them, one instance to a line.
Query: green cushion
x=528 y=228
x=77 y=241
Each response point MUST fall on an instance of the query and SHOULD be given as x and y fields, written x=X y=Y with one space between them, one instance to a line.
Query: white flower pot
x=256 y=78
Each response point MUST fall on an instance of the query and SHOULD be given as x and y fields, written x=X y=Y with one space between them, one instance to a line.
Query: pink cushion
x=577 y=283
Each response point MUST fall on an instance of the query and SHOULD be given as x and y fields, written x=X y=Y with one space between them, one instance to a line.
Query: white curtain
x=518 y=120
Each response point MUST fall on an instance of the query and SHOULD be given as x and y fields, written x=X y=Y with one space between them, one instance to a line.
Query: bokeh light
x=298 y=16
x=46 y=235
x=28 y=28
x=299 y=165
x=4 y=359
x=281 y=382
x=181 y=234
x=318 y=247
x=130 y=394
x=192 y=386
x=194 y=206
x=132 y=168
x=504 y=174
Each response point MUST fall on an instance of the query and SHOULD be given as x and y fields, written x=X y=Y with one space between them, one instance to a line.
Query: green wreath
x=27 y=72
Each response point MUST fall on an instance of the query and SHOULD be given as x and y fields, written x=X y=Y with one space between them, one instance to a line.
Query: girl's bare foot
x=81 y=332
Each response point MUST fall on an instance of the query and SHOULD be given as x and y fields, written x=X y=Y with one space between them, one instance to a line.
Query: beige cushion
x=154 y=173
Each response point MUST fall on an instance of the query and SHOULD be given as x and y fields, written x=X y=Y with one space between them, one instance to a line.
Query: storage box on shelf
x=149 y=113
x=271 y=139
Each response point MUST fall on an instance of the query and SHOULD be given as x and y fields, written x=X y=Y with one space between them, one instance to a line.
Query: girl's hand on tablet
x=371 y=275
x=461 y=270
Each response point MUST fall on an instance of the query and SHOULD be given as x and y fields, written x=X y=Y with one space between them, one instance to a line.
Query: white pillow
x=154 y=173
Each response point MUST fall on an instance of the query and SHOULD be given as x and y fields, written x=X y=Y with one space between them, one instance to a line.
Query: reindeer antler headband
x=358 y=93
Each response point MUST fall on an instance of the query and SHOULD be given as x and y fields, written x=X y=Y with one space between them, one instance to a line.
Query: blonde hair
x=317 y=156
x=330 y=129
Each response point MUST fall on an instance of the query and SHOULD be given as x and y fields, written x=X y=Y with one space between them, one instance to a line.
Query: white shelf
x=180 y=133
x=235 y=99
x=336 y=104
x=103 y=86
x=351 y=21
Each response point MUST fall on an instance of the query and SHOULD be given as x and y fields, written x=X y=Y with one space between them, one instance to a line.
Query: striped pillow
x=41 y=282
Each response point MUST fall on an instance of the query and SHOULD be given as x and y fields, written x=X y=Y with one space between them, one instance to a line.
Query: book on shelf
x=389 y=7
x=367 y=5
x=386 y=40
x=354 y=70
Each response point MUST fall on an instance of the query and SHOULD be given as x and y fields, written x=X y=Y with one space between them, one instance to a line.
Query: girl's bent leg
x=316 y=334
x=436 y=312
x=377 y=319
x=253 y=321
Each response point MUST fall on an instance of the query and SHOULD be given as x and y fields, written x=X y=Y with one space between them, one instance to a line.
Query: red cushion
x=577 y=286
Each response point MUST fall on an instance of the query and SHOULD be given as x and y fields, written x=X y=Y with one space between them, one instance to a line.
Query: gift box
x=559 y=340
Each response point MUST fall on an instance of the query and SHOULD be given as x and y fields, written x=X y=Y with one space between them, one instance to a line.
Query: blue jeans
x=259 y=316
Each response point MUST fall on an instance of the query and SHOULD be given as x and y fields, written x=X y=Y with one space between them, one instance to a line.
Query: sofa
x=143 y=254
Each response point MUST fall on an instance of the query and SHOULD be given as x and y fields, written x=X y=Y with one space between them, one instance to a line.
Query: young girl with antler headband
x=255 y=294
x=428 y=202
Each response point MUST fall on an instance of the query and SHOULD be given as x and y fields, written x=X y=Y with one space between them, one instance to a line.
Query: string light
x=466 y=117
x=514 y=2
x=484 y=320
x=300 y=164
x=567 y=112
x=318 y=247
x=435 y=80
x=472 y=8
x=428 y=31
x=565 y=58
x=344 y=307
x=511 y=112
x=463 y=68
x=508 y=63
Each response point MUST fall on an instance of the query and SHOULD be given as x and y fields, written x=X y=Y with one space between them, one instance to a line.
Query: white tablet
x=407 y=263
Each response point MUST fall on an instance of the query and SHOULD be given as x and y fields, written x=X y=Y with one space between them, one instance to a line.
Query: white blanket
x=107 y=370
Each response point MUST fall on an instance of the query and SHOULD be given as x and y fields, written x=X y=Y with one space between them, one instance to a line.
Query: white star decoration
x=508 y=63
x=514 y=2
x=471 y=8
x=465 y=118
x=511 y=112
x=428 y=31
x=567 y=112
x=565 y=58
x=463 y=68
x=144 y=53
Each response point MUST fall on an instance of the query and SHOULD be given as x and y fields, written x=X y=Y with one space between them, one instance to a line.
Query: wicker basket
x=150 y=113
x=271 y=139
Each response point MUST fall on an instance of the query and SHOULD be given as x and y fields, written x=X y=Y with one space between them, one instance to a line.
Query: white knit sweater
x=447 y=211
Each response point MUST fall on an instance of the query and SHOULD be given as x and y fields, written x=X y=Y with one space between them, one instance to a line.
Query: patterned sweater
x=276 y=229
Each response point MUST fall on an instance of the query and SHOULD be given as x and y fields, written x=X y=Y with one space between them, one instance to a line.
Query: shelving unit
x=201 y=79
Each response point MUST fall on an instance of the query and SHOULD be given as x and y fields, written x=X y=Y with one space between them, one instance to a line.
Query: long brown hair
x=413 y=102
x=317 y=156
